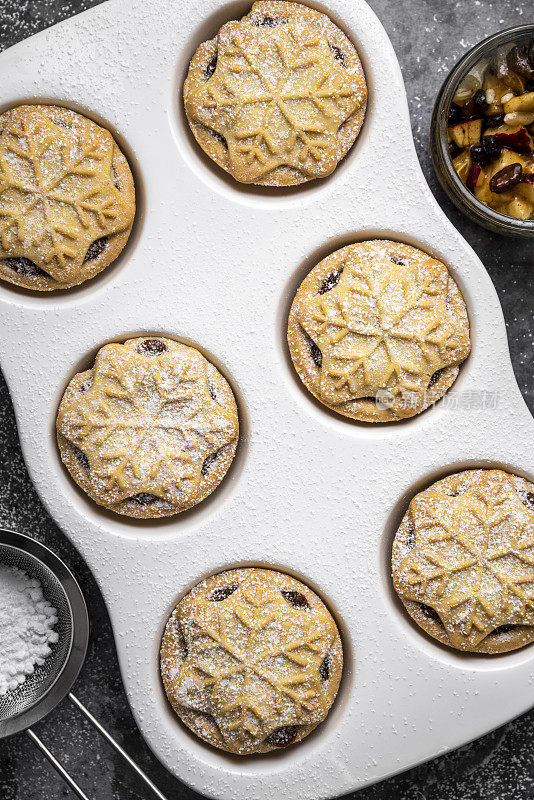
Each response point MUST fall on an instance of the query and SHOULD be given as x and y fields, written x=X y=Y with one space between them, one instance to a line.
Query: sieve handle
x=60 y=769
x=116 y=746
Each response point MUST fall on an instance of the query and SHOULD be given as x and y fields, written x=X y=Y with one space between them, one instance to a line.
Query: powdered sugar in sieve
x=27 y=621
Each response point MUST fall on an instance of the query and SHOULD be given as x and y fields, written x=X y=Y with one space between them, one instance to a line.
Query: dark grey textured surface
x=429 y=36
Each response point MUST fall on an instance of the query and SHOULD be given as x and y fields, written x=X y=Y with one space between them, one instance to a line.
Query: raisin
x=487 y=151
x=528 y=499
x=282 y=736
x=151 y=347
x=506 y=178
x=295 y=598
x=210 y=68
x=95 y=248
x=479 y=99
x=331 y=281
x=493 y=121
x=455 y=114
x=396 y=260
x=211 y=390
x=223 y=592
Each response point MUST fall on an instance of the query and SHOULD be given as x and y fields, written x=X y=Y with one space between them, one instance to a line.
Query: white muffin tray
x=216 y=264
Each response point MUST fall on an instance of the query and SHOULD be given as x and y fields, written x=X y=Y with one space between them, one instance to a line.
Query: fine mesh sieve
x=41 y=681
x=51 y=683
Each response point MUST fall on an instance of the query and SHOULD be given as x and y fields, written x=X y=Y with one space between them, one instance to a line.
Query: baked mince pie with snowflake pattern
x=150 y=430
x=278 y=97
x=67 y=198
x=463 y=561
x=251 y=660
x=378 y=330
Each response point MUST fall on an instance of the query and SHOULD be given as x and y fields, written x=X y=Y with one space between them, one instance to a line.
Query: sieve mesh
x=41 y=681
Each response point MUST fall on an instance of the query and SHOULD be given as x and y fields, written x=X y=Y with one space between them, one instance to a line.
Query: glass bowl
x=466 y=201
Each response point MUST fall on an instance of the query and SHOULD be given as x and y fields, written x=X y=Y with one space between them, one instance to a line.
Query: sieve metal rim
x=79 y=636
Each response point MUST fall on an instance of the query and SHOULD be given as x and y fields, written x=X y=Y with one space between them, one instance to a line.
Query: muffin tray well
x=216 y=264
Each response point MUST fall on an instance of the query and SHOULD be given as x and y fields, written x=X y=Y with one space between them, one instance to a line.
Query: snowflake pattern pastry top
x=463 y=561
x=151 y=430
x=278 y=97
x=251 y=660
x=377 y=331
x=67 y=199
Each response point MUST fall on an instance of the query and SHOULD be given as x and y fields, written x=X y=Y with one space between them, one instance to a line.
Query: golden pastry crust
x=150 y=430
x=377 y=331
x=67 y=198
x=463 y=561
x=251 y=660
x=278 y=97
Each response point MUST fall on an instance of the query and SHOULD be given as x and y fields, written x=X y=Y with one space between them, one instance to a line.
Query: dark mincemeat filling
x=115 y=177
x=331 y=281
x=397 y=260
x=208 y=463
x=410 y=537
x=223 y=592
x=267 y=21
x=338 y=54
x=82 y=458
x=314 y=351
x=211 y=66
x=151 y=347
x=143 y=498
x=504 y=629
x=324 y=669
x=431 y=613
x=86 y=385
x=435 y=377
x=217 y=136
x=294 y=598
x=283 y=736
x=25 y=267
x=95 y=248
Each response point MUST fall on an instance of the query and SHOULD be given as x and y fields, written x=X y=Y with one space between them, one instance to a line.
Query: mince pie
x=278 y=97
x=463 y=561
x=150 y=430
x=251 y=660
x=67 y=199
x=378 y=330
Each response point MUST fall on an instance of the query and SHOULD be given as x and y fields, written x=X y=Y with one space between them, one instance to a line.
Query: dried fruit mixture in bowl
x=491 y=131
